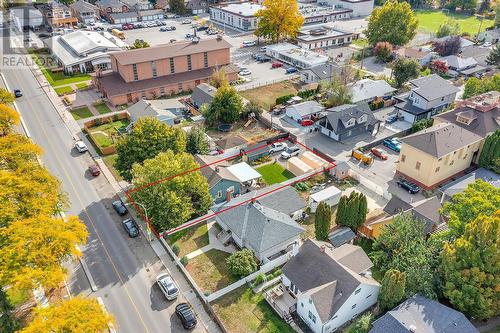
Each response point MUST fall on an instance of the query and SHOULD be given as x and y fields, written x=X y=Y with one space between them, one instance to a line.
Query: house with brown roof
x=439 y=153
x=326 y=287
x=422 y=57
x=163 y=70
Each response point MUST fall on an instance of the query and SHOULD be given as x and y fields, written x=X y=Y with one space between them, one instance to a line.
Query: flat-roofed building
x=314 y=13
x=358 y=7
x=239 y=15
x=295 y=55
x=323 y=37
x=164 y=70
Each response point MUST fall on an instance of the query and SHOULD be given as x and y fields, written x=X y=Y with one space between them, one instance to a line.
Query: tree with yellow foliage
x=76 y=315
x=17 y=150
x=280 y=19
x=6 y=97
x=32 y=250
x=8 y=119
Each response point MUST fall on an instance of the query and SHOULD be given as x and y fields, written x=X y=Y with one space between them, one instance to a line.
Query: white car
x=81 y=146
x=167 y=286
x=186 y=22
x=487 y=44
x=277 y=147
x=248 y=43
x=290 y=152
x=245 y=72
x=263 y=49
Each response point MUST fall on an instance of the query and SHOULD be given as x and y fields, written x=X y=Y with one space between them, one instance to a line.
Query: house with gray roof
x=323 y=72
x=367 y=90
x=304 y=110
x=490 y=35
x=429 y=95
x=478 y=53
x=203 y=94
x=263 y=223
x=85 y=12
x=460 y=184
x=325 y=286
x=461 y=65
x=168 y=111
x=345 y=121
x=419 y=314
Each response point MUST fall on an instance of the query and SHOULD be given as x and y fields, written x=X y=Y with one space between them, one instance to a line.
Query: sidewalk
x=75 y=131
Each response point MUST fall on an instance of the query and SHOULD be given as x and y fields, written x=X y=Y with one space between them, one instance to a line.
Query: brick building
x=163 y=70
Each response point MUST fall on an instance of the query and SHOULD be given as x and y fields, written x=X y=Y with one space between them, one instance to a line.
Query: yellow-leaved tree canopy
x=280 y=19
x=8 y=119
x=76 y=315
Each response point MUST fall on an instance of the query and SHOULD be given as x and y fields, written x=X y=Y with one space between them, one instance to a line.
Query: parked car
x=130 y=227
x=212 y=32
x=276 y=65
x=391 y=119
x=277 y=147
x=264 y=59
x=258 y=56
x=81 y=146
x=392 y=144
x=202 y=28
x=167 y=286
x=186 y=315
x=44 y=35
x=120 y=207
x=412 y=188
x=245 y=72
x=163 y=29
x=18 y=93
x=263 y=49
x=186 y=21
x=290 y=152
x=380 y=153
x=173 y=28
x=248 y=43
x=487 y=44
x=291 y=70
x=306 y=122
x=94 y=170
x=188 y=36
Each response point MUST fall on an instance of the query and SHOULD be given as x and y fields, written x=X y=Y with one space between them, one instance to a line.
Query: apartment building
x=163 y=70
x=85 y=12
x=58 y=15
x=437 y=154
x=239 y=16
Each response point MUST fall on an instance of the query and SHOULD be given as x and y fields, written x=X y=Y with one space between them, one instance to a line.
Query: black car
x=120 y=207
x=130 y=227
x=264 y=59
x=18 y=93
x=186 y=315
x=409 y=186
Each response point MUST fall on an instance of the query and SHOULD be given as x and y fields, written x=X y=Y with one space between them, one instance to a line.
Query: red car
x=306 y=122
x=276 y=65
x=94 y=170
x=380 y=153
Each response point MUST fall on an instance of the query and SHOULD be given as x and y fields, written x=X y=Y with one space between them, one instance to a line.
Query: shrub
x=184 y=260
x=421 y=124
x=259 y=279
x=176 y=249
x=283 y=99
x=383 y=51
x=301 y=187
x=307 y=93
x=275 y=274
x=242 y=263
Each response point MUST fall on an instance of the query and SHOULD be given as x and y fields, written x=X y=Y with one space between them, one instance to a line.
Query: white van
x=248 y=43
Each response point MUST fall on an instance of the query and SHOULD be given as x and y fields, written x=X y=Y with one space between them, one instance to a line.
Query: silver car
x=290 y=152
x=167 y=286
x=81 y=146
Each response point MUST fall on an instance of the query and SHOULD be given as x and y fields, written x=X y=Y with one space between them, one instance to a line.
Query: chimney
x=322 y=248
x=217 y=169
x=229 y=195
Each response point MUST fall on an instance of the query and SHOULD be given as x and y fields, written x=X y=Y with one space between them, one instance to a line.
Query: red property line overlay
x=206 y=217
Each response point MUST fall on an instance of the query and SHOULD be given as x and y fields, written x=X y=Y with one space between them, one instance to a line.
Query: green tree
x=352 y=210
x=402 y=246
x=8 y=119
x=251 y=107
x=149 y=137
x=8 y=324
x=338 y=92
x=421 y=125
x=178 y=7
x=6 y=97
x=362 y=324
x=471 y=266
x=140 y=44
x=490 y=155
x=197 y=142
x=475 y=86
x=173 y=202
x=484 y=7
x=449 y=28
x=493 y=58
x=392 y=291
x=394 y=22
x=280 y=19
x=242 y=263
x=218 y=78
x=226 y=106
x=404 y=70
x=322 y=221
x=478 y=198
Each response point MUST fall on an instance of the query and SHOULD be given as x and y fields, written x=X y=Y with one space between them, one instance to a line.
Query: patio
x=281 y=301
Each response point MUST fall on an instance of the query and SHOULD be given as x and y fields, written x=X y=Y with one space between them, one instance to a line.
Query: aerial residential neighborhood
x=250 y=166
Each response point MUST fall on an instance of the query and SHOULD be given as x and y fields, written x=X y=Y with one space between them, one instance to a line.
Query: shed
x=330 y=195
x=244 y=172
x=313 y=160
x=296 y=166
x=341 y=236
x=341 y=171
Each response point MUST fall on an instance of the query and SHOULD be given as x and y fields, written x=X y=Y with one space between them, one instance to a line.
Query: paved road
x=123 y=268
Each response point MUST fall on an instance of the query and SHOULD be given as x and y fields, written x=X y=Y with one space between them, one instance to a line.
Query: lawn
x=210 y=270
x=430 y=20
x=243 y=311
x=83 y=85
x=81 y=113
x=190 y=239
x=361 y=42
x=103 y=134
x=110 y=163
x=59 y=78
x=63 y=90
x=266 y=96
x=110 y=128
x=102 y=108
x=274 y=173
x=103 y=140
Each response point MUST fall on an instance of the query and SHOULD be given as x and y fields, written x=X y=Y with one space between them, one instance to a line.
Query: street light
x=148 y=229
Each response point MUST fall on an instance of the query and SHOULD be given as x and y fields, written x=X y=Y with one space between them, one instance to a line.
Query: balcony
x=282 y=301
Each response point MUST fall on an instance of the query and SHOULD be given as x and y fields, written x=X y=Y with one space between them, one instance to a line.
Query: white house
x=367 y=90
x=330 y=196
x=304 y=110
x=326 y=287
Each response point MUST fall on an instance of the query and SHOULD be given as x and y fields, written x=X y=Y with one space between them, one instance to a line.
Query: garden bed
x=243 y=311
x=274 y=173
x=210 y=270
x=189 y=240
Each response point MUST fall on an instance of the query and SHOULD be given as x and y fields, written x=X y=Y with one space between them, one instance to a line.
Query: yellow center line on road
x=92 y=223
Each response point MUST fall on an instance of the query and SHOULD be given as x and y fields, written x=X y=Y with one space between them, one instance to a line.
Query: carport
x=244 y=172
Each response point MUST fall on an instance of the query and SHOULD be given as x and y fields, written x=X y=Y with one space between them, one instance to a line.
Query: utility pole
x=480 y=26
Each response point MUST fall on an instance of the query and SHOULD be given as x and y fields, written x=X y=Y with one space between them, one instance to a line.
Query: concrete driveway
x=371 y=65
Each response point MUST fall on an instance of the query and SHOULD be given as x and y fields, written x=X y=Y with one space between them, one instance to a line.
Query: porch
x=282 y=301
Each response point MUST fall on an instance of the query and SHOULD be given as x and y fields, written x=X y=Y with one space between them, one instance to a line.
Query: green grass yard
x=243 y=311
x=81 y=113
x=83 y=85
x=63 y=90
x=110 y=160
x=58 y=78
x=274 y=173
x=189 y=240
x=102 y=139
x=430 y=20
x=102 y=108
x=210 y=270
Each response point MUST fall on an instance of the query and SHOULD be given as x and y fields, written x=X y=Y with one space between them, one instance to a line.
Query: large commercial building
x=164 y=69
x=239 y=16
x=295 y=55
x=323 y=36
x=314 y=13
x=358 y=7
